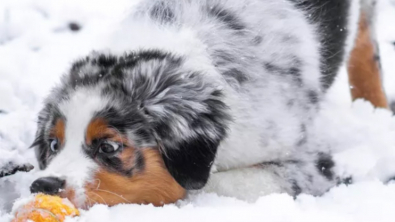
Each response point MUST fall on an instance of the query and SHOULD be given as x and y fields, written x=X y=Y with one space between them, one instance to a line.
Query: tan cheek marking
x=152 y=185
x=363 y=70
x=58 y=131
x=127 y=157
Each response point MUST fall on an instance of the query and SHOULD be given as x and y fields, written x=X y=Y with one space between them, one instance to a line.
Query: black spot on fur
x=347 y=181
x=257 y=40
x=303 y=135
x=296 y=188
x=221 y=58
x=162 y=13
x=331 y=18
x=105 y=61
x=236 y=74
x=271 y=68
x=75 y=27
x=277 y=164
x=227 y=17
x=325 y=164
x=3 y=111
x=293 y=72
x=313 y=96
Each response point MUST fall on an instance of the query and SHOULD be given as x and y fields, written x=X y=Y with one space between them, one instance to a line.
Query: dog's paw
x=12 y=168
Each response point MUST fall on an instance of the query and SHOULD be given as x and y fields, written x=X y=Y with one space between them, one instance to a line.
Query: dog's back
x=272 y=56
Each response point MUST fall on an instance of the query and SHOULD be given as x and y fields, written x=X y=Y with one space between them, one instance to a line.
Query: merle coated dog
x=216 y=95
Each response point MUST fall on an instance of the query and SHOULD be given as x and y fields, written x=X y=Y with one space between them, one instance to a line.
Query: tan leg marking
x=364 y=70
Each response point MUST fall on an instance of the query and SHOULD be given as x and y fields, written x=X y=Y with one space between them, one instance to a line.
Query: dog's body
x=225 y=87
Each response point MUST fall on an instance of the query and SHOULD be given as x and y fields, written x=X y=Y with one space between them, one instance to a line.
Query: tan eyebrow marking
x=98 y=128
x=58 y=131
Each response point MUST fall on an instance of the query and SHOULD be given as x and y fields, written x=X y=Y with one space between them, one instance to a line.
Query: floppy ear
x=190 y=161
x=188 y=118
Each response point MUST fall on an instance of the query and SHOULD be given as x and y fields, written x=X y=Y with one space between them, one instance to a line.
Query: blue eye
x=54 y=145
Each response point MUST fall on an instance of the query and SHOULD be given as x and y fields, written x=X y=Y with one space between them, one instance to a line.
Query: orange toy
x=46 y=208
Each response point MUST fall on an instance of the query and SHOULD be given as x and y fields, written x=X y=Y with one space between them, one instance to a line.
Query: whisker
x=113 y=194
x=98 y=184
x=90 y=203
x=104 y=201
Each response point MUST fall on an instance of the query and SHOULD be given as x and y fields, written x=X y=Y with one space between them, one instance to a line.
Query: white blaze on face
x=71 y=163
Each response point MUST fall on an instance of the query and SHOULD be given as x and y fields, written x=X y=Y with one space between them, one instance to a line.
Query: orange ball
x=46 y=208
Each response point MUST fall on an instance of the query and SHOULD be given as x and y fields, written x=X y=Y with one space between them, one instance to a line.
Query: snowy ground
x=37 y=46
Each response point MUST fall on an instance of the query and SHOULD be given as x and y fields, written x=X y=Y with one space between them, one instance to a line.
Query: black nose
x=47 y=185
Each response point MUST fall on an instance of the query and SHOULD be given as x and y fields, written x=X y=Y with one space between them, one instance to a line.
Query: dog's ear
x=189 y=162
x=188 y=118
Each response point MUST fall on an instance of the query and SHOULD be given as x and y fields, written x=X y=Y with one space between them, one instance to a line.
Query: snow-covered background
x=37 y=45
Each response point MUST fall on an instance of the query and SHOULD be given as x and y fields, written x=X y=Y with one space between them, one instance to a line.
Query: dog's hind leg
x=364 y=64
x=292 y=177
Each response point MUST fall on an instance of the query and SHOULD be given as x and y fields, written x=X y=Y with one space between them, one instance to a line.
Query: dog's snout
x=47 y=185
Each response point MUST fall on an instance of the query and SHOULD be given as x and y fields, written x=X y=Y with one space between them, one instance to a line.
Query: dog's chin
x=78 y=199
x=86 y=198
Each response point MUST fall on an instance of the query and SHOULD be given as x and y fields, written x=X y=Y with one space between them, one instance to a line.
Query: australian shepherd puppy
x=216 y=95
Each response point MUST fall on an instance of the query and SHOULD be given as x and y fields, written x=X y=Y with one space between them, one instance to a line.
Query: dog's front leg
x=11 y=168
x=246 y=184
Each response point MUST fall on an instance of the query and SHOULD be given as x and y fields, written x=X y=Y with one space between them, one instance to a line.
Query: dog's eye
x=54 y=145
x=109 y=147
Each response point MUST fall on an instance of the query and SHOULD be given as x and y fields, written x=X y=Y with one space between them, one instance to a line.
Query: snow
x=36 y=47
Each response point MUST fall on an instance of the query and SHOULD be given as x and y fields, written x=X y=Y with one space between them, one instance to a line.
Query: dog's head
x=138 y=128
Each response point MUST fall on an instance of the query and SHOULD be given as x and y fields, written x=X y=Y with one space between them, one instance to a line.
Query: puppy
x=209 y=94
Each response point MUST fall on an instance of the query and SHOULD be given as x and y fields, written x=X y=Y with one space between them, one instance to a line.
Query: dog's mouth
x=76 y=200
x=82 y=198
